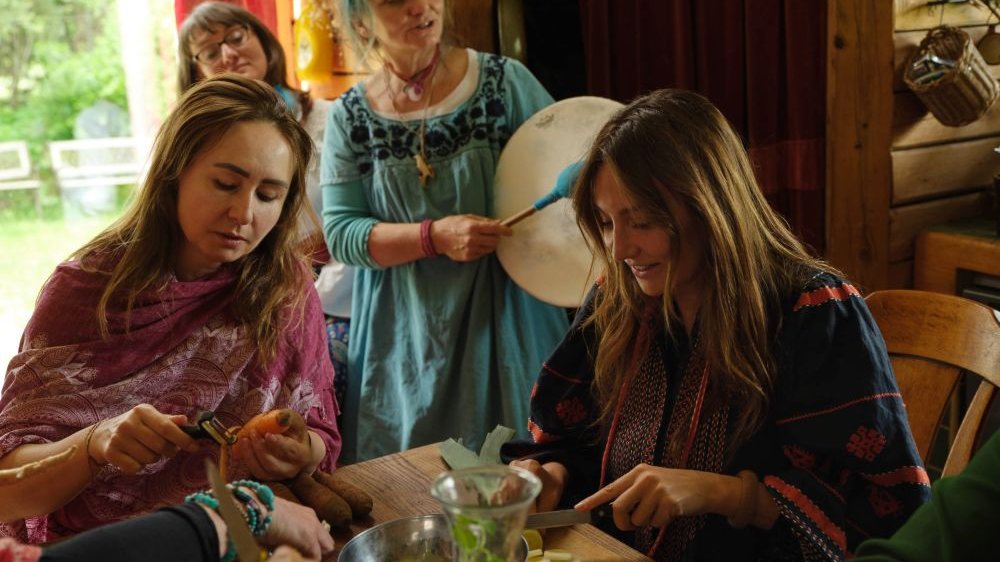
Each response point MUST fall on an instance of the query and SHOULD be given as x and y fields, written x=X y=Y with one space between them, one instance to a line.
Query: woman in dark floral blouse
x=730 y=395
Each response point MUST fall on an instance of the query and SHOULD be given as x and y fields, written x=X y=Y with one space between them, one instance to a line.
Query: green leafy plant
x=473 y=537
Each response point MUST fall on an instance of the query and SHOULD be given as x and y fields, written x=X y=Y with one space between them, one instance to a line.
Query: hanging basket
x=950 y=77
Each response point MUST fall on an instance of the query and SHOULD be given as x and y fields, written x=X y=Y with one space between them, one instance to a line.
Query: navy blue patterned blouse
x=835 y=452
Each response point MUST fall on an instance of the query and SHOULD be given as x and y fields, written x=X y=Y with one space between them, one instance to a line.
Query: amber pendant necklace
x=425 y=171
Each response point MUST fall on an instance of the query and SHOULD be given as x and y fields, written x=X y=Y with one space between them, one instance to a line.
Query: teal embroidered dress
x=438 y=348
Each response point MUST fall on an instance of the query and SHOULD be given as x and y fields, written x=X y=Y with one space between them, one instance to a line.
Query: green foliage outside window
x=59 y=57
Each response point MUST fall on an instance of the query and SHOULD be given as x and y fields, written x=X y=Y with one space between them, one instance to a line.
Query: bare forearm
x=730 y=499
x=392 y=244
x=49 y=490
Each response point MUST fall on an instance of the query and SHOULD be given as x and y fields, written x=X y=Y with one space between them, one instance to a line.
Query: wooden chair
x=932 y=338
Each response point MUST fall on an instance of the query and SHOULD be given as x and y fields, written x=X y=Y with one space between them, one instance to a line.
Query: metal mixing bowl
x=424 y=538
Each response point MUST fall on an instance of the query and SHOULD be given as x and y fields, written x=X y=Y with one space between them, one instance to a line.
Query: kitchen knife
x=246 y=546
x=565 y=517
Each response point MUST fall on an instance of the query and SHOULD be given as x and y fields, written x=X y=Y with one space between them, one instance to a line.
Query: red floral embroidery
x=571 y=411
x=866 y=443
x=883 y=503
x=799 y=457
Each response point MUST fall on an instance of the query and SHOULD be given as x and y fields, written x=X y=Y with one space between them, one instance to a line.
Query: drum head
x=547 y=255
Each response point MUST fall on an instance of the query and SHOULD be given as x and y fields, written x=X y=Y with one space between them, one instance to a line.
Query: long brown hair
x=209 y=15
x=142 y=245
x=674 y=143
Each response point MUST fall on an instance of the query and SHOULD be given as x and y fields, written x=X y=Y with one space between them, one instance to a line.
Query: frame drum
x=547 y=255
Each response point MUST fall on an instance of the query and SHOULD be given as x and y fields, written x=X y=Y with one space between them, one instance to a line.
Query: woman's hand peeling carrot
x=278 y=421
x=274 y=445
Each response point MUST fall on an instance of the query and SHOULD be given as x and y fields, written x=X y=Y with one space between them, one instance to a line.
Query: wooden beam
x=285 y=25
x=943 y=169
x=906 y=222
x=859 y=138
x=914 y=15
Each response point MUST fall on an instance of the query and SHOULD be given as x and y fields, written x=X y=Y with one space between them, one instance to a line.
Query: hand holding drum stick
x=564 y=184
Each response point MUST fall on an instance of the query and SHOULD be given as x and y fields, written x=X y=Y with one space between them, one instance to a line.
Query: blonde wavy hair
x=674 y=143
x=139 y=248
x=350 y=16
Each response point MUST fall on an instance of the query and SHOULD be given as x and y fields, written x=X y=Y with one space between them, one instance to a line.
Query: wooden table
x=400 y=487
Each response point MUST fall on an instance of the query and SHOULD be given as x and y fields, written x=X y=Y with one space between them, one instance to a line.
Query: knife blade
x=246 y=546
x=565 y=517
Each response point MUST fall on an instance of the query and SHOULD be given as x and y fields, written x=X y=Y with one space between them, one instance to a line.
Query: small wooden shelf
x=944 y=251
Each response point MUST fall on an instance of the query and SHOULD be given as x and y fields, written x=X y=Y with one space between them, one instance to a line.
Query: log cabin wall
x=892 y=168
x=939 y=173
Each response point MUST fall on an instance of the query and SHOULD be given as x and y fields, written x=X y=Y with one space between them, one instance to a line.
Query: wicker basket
x=962 y=93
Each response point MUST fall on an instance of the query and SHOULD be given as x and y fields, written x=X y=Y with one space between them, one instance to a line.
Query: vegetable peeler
x=209 y=427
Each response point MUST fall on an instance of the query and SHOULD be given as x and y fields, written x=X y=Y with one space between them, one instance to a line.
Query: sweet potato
x=328 y=506
x=360 y=502
x=282 y=491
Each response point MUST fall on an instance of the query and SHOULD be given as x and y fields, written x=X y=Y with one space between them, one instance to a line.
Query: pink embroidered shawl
x=184 y=353
x=12 y=551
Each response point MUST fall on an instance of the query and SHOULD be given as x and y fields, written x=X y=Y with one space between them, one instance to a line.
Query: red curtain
x=265 y=11
x=761 y=62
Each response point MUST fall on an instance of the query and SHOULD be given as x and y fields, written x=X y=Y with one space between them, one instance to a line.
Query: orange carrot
x=283 y=492
x=276 y=421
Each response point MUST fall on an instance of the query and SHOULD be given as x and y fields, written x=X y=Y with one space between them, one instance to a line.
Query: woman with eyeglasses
x=218 y=37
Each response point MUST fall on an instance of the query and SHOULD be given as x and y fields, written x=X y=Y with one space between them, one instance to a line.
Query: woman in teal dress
x=443 y=343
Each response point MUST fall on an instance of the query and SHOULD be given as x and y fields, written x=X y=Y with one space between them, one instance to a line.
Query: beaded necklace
x=413 y=86
x=424 y=170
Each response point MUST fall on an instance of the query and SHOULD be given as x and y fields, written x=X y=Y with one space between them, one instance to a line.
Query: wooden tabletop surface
x=400 y=487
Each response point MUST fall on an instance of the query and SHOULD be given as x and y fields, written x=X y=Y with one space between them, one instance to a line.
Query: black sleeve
x=182 y=532
x=563 y=413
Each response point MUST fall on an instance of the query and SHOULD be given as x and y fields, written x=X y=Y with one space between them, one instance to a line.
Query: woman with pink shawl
x=196 y=299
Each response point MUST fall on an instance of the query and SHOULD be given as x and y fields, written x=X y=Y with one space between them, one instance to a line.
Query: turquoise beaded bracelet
x=265 y=495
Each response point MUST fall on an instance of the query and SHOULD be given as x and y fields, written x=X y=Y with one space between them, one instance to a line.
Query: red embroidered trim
x=696 y=417
x=826 y=294
x=539 y=435
x=553 y=372
x=801 y=417
x=906 y=475
x=799 y=457
x=640 y=341
x=809 y=509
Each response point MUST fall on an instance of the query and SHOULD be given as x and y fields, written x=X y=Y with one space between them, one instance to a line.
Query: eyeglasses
x=235 y=39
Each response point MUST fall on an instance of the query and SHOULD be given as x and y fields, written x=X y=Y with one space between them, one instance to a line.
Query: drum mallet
x=564 y=183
